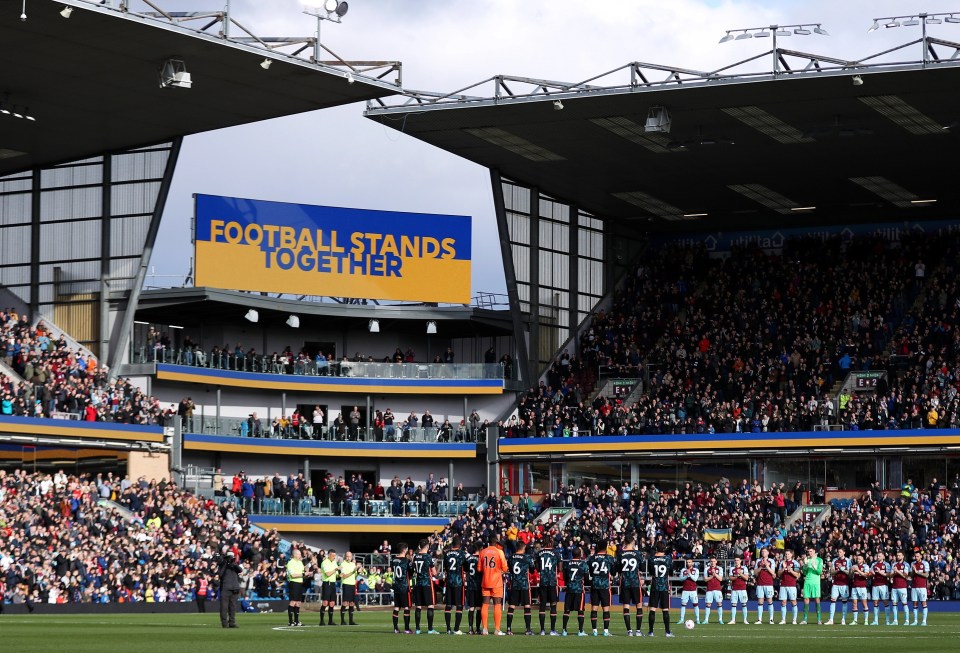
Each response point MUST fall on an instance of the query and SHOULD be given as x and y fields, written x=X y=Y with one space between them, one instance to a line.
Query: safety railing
x=314 y=506
x=295 y=366
x=286 y=430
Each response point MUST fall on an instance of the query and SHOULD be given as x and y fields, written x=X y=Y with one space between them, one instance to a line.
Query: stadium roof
x=748 y=151
x=193 y=307
x=92 y=82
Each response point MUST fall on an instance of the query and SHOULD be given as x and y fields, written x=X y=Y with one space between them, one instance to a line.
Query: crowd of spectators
x=61 y=381
x=757 y=341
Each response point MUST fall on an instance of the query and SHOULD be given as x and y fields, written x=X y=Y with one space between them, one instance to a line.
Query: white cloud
x=338 y=157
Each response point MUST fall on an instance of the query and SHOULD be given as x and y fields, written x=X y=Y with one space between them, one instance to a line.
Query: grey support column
x=534 y=287
x=574 y=275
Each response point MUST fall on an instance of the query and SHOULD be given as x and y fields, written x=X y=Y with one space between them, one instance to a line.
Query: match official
x=294 y=587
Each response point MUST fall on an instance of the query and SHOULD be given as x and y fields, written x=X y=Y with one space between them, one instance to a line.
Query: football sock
x=759 y=611
x=580 y=620
x=652 y=619
x=593 y=619
x=566 y=619
x=924 y=614
x=429 y=618
x=896 y=612
x=406 y=618
x=744 y=613
x=470 y=614
x=819 y=615
x=795 y=610
x=289 y=615
x=553 y=617
x=626 y=616
x=510 y=618
x=719 y=613
x=416 y=618
x=666 y=619
x=696 y=613
x=526 y=617
x=887 y=610
x=843 y=610
x=343 y=614
x=497 y=614
x=906 y=612
x=543 y=617
x=783 y=612
x=606 y=620
x=833 y=610
x=806 y=611
x=639 y=618
x=396 y=619
x=350 y=612
x=770 y=611
x=485 y=615
x=683 y=612
x=458 y=620
x=446 y=616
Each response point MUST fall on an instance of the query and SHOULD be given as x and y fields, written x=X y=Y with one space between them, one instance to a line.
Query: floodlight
x=431 y=327
x=350 y=79
x=761 y=34
x=293 y=322
x=174 y=74
x=727 y=37
x=933 y=21
x=857 y=80
x=252 y=315
x=558 y=105
x=745 y=35
x=17 y=114
x=26 y=114
x=951 y=19
x=373 y=326
x=330 y=6
x=5 y=110
x=658 y=120
x=783 y=32
x=910 y=22
x=802 y=31
x=819 y=30
x=266 y=63
x=892 y=23
x=874 y=27
x=342 y=9
x=66 y=11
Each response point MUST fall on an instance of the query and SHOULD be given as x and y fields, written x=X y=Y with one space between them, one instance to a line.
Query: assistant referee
x=294 y=587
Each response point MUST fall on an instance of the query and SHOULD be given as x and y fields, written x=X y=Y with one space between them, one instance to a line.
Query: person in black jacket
x=229 y=573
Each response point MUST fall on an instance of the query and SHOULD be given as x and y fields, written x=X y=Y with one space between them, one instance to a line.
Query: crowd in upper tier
x=759 y=341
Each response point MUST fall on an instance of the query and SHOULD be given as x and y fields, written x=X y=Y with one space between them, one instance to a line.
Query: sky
x=337 y=157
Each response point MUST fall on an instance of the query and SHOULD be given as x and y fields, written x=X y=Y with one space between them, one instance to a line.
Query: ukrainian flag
x=717 y=534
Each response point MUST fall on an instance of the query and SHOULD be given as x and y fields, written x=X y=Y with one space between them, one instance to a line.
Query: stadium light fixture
x=911 y=22
x=293 y=322
x=762 y=34
x=173 y=74
x=557 y=105
x=266 y=63
x=951 y=19
x=66 y=11
x=373 y=326
x=727 y=37
x=252 y=316
x=350 y=79
x=775 y=31
x=658 y=120
x=819 y=30
x=431 y=327
x=745 y=35
x=874 y=27
x=802 y=31
x=857 y=80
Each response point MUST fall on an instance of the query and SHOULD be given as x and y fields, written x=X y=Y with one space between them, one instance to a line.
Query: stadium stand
x=757 y=341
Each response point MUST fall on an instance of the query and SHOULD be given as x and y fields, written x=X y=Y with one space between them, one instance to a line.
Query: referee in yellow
x=348 y=586
x=294 y=587
x=328 y=585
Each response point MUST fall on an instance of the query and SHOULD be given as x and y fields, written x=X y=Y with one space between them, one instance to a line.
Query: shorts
x=548 y=595
x=573 y=602
x=714 y=596
x=688 y=596
x=898 y=595
x=881 y=593
x=519 y=596
x=328 y=592
x=765 y=592
x=401 y=598
x=811 y=589
x=349 y=593
x=788 y=593
x=660 y=599
x=600 y=596
x=494 y=592
x=295 y=591
x=474 y=597
x=859 y=594
x=423 y=596
x=454 y=596
x=918 y=594
x=629 y=595
x=841 y=592
x=738 y=596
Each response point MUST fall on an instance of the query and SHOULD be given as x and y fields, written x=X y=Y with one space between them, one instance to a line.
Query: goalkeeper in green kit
x=812 y=569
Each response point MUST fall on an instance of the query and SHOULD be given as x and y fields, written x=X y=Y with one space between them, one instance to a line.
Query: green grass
x=195 y=633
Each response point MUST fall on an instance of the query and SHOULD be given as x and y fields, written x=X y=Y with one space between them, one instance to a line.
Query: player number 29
x=629 y=564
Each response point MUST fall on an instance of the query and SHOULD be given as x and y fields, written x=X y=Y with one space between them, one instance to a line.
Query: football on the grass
x=689 y=624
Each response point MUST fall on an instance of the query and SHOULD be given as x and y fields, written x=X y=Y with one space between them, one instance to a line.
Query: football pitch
x=180 y=633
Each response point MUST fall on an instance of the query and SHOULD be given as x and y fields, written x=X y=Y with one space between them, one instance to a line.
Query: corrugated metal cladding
x=15 y=209
x=130 y=199
x=14 y=245
x=17 y=182
x=122 y=273
x=72 y=273
x=79 y=315
x=71 y=204
x=72 y=175
x=139 y=165
x=16 y=279
x=69 y=240
x=127 y=235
